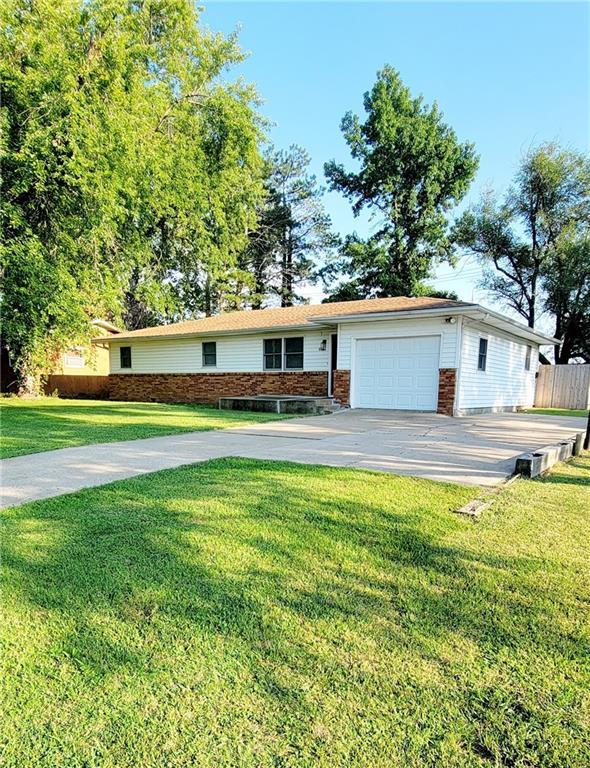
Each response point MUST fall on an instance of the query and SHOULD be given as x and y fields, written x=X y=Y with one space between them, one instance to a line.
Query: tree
x=566 y=284
x=148 y=300
x=123 y=154
x=518 y=238
x=413 y=170
x=293 y=230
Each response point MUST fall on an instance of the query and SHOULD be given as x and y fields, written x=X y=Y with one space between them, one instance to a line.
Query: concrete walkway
x=477 y=450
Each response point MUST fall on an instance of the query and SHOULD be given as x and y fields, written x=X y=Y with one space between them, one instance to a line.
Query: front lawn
x=258 y=614
x=557 y=412
x=47 y=423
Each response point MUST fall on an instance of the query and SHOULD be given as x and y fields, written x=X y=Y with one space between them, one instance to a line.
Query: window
x=294 y=353
x=273 y=354
x=483 y=355
x=209 y=353
x=527 y=358
x=284 y=354
x=125 y=353
x=73 y=359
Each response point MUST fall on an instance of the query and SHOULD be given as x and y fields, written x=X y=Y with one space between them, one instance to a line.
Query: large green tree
x=531 y=242
x=293 y=230
x=125 y=159
x=411 y=171
x=566 y=287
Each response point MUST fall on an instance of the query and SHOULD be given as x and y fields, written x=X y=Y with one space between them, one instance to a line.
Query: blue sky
x=506 y=75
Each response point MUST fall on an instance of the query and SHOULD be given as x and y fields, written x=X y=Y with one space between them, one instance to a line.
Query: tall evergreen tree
x=293 y=230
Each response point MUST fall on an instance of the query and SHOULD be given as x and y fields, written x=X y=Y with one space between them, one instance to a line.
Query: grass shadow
x=300 y=589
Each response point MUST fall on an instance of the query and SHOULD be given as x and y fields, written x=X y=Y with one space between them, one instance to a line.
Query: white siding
x=234 y=353
x=348 y=333
x=505 y=382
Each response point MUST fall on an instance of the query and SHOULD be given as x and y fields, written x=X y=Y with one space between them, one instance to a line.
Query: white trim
x=485 y=337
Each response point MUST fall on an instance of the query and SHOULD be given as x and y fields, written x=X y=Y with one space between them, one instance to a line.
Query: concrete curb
x=540 y=461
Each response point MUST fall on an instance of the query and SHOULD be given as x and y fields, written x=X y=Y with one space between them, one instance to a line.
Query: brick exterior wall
x=447 y=380
x=341 y=386
x=209 y=387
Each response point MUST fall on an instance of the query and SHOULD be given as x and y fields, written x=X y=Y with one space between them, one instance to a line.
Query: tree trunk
x=208 y=309
x=564 y=353
x=287 y=276
x=28 y=382
x=532 y=302
x=260 y=287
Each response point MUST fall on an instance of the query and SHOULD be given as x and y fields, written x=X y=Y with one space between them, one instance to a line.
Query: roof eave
x=475 y=311
x=395 y=313
x=480 y=313
x=513 y=326
x=99 y=323
x=198 y=334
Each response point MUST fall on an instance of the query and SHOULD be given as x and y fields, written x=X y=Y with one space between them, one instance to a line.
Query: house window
x=294 y=353
x=283 y=354
x=209 y=353
x=273 y=354
x=483 y=355
x=527 y=358
x=125 y=357
x=73 y=359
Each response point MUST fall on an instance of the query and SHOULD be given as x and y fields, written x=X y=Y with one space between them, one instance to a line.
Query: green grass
x=47 y=423
x=558 y=412
x=259 y=614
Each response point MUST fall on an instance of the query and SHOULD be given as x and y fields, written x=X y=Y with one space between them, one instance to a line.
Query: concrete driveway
x=478 y=450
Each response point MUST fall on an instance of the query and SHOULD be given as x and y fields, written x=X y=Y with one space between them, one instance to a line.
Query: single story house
x=88 y=360
x=83 y=371
x=420 y=354
x=79 y=370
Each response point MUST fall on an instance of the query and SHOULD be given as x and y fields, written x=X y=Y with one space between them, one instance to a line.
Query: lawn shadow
x=35 y=427
x=562 y=472
x=243 y=552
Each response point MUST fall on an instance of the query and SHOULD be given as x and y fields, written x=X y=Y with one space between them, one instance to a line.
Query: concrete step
x=281 y=404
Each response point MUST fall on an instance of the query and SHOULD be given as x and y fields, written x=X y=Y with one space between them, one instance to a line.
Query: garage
x=397 y=373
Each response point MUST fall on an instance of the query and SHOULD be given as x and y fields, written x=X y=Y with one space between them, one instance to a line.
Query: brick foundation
x=209 y=387
x=341 y=386
x=447 y=380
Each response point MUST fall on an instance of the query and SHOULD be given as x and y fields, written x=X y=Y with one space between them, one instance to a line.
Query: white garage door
x=397 y=373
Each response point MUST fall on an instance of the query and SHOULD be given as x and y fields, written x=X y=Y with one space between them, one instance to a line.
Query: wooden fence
x=78 y=386
x=563 y=386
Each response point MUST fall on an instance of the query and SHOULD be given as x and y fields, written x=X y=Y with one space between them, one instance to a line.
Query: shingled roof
x=285 y=317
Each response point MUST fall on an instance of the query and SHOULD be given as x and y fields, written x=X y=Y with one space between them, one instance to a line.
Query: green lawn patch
x=260 y=614
x=47 y=423
x=557 y=412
